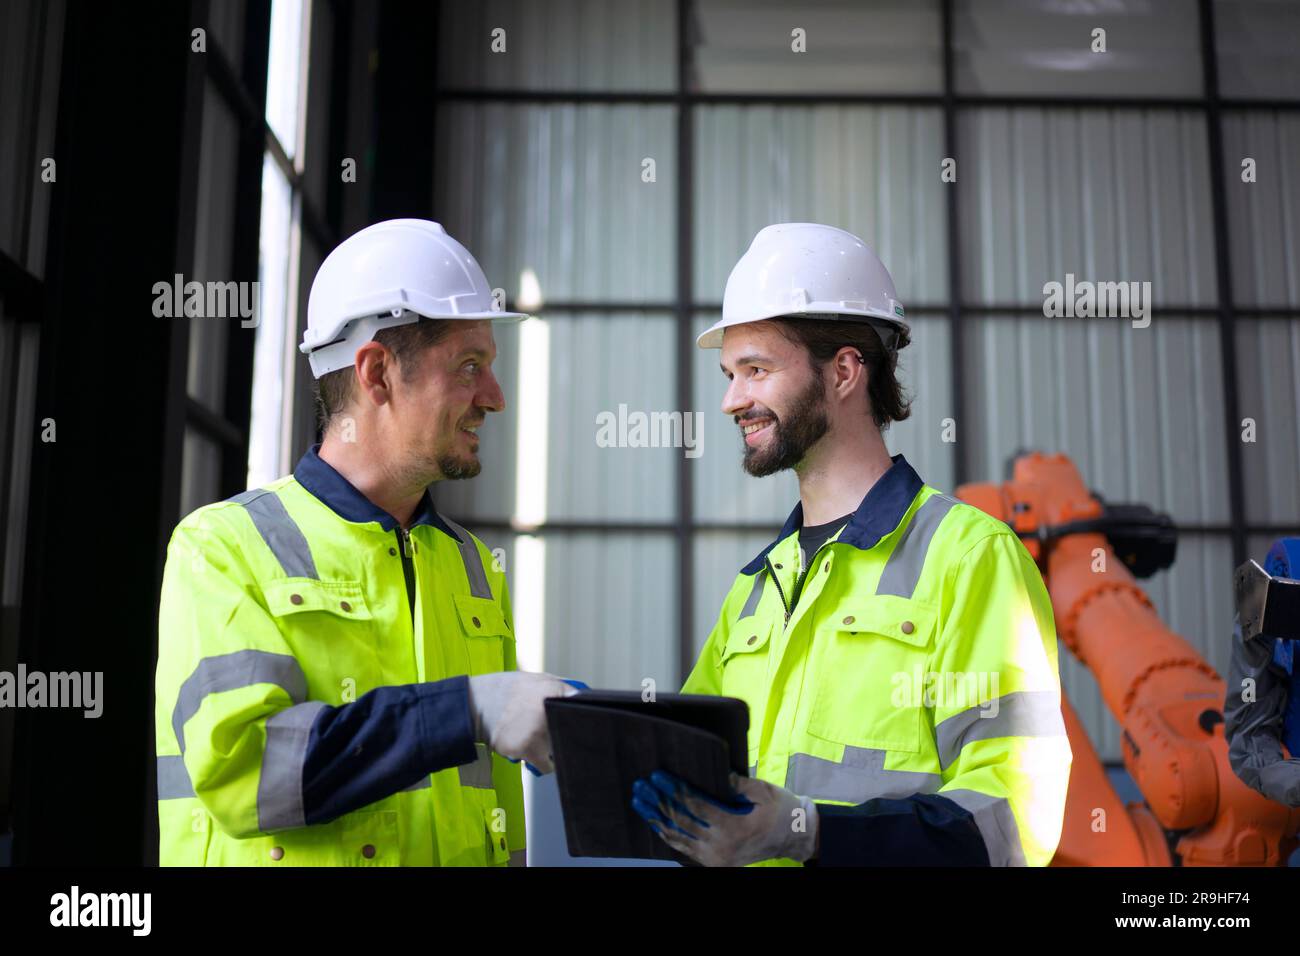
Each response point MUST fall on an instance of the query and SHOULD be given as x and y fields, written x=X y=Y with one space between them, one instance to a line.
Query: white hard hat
x=804 y=268
x=388 y=274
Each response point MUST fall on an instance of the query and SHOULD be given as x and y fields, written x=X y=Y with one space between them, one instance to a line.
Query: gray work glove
x=1253 y=728
x=509 y=716
x=765 y=822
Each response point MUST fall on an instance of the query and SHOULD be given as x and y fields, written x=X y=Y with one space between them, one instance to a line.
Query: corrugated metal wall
x=1102 y=193
x=1105 y=195
x=561 y=44
x=559 y=190
x=1264 y=224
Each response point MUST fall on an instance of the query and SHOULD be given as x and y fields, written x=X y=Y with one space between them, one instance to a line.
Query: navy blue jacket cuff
x=383 y=742
x=920 y=830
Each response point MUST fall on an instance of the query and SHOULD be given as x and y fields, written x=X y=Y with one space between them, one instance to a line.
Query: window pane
x=1258 y=43
x=1103 y=195
x=558 y=45
x=563 y=191
x=318 y=166
x=1152 y=48
x=1268 y=381
x=285 y=70
x=588 y=423
x=601 y=608
x=894 y=46
x=1139 y=410
x=616 y=437
x=214 y=248
x=1263 y=214
x=874 y=171
x=609 y=606
x=266 y=449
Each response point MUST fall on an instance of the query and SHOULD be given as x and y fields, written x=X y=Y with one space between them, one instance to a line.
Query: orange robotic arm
x=1164 y=695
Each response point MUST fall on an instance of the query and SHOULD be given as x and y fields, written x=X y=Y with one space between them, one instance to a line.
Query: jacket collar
x=878 y=514
x=342 y=497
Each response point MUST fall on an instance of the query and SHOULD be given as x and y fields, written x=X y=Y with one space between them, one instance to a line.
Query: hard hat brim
x=711 y=338
x=314 y=339
x=340 y=352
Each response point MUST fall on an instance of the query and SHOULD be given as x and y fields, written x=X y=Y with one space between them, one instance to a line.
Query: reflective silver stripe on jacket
x=231 y=671
x=279 y=787
x=213 y=675
x=280 y=532
x=755 y=594
x=1024 y=713
x=173 y=778
x=469 y=554
x=860 y=776
x=478 y=773
x=996 y=822
x=903 y=568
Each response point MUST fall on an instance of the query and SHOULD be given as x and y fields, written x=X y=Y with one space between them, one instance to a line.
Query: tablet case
x=603 y=741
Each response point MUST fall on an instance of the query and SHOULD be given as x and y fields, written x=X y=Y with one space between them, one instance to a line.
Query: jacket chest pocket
x=329 y=619
x=871 y=659
x=486 y=633
x=744 y=672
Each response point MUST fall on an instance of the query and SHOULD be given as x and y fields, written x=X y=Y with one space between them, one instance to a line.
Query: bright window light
x=275 y=351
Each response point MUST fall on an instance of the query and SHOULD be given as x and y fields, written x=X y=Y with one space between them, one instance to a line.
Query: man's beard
x=453 y=467
x=791 y=438
x=444 y=462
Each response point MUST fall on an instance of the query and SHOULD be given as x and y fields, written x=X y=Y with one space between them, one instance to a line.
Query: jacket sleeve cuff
x=920 y=830
x=447 y=722
x=385 y=741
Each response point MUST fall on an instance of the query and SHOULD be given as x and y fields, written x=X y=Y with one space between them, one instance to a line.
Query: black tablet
x=603 y=741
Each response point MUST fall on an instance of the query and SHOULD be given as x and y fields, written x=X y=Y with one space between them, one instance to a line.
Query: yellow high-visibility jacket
x=312 y=706
x=912 y=691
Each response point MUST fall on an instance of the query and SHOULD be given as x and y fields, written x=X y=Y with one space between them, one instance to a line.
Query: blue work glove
x=572 y=682
x=764 y=822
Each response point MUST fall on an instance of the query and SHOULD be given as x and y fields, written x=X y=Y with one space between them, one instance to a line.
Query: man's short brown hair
x=823 y=338
x=334 y=391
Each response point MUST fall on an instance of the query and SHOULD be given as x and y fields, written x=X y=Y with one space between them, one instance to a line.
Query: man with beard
x=336 y=679
x=895 y=647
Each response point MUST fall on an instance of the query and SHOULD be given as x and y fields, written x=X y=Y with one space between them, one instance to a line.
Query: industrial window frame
x=684 y=524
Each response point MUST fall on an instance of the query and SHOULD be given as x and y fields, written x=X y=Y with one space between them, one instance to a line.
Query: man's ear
x=376 y=370
x=849 y=368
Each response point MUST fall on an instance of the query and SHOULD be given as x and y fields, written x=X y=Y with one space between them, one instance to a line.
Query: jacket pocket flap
x=344 y=598
x=747 y=636
x=481 y=617
x=902 y=619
